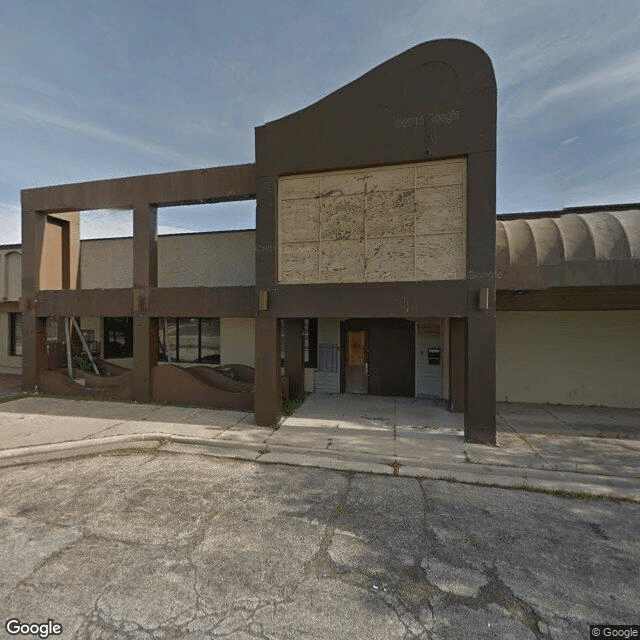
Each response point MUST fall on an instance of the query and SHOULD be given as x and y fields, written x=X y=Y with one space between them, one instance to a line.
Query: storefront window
x=118 y=337
x=15 y=337
x=189 y=340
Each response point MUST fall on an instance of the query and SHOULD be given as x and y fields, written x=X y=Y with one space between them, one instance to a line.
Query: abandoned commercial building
x=377 y=266
x=567 y=327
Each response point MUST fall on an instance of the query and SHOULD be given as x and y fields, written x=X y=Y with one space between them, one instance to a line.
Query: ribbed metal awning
x=594 y=248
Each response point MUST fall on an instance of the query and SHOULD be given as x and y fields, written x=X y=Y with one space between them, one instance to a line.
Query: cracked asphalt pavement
x=160 y=545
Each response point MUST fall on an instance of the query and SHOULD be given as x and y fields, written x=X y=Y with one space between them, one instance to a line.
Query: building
x=567 y=321
x=377 y=265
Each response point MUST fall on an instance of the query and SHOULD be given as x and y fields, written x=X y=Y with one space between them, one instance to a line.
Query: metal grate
x=328 y=354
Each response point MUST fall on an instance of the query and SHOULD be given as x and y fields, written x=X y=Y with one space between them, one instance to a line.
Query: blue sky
x=92 y=89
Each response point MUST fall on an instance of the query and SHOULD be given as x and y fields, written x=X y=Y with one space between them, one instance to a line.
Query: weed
x=340 y=510
x=289 y=407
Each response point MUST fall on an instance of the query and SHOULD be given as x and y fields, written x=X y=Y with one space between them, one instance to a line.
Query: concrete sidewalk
x=574 y=449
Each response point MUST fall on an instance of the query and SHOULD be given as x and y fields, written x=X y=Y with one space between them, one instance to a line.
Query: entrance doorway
x=356 y=366
x=378 y=356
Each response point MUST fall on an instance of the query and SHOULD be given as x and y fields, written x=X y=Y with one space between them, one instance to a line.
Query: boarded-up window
x=393 y=223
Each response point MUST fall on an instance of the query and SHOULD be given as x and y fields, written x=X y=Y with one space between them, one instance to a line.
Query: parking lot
x=170 y=545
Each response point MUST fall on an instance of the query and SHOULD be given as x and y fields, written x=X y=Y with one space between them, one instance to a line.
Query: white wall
x=569 y=357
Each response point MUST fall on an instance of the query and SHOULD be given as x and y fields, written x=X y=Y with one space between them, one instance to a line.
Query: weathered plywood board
x=342 y=217
x=298 y=187
x=342 y=183
x=299 y=261
x=435 y=174
x=390 y=213
x=300 y=220
x=439 y=209
x=395 y=223
x=342 y=261
x=440 y=257
x=391 y=178
x=389 y=259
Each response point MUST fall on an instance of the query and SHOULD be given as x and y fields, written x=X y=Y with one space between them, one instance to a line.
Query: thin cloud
x=93 y=131
x=106 y=223
x=569 y=141
x=10 y=223
x=620 y=79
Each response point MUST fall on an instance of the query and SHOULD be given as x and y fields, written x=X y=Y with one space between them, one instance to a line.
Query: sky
x=92 y=90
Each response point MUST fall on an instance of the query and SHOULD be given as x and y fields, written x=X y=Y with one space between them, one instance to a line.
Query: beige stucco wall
x=237 y=341
x=569 y=357
x=207 y=260
x=10 y=274
x=190 y=260
x=106 y=263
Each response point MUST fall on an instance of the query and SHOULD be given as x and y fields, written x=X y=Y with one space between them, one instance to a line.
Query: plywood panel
x=299 y=261
x=380 y=224
x=439 y=209
x=434 y=174
x=389 y=259
x=342 y=261
x=390 y=179
x=342 y=217
x=440 y=257
x=390 y=213
x=300 y=220
x=298 y=187
x=347 y=183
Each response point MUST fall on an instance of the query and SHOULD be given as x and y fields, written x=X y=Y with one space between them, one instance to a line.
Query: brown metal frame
x=383 y=118
x=59 y=263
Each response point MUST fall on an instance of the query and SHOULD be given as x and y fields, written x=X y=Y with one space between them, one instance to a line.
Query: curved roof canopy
x=568 y=249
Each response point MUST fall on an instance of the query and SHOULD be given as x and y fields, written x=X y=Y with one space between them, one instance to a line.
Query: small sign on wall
x=433 y=355
x=427 y=327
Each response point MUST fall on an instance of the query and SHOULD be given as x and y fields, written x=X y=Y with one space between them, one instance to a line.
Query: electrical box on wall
x=433 y=355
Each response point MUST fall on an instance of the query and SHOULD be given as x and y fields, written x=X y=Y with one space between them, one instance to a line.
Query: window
x=52 y=331
x=15 y=334
x=189 y=340
x=118 y=337
x=311 y=343
x=310 y=337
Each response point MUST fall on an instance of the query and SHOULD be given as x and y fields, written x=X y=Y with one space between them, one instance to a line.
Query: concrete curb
x=472 y=473
x=59 y=450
